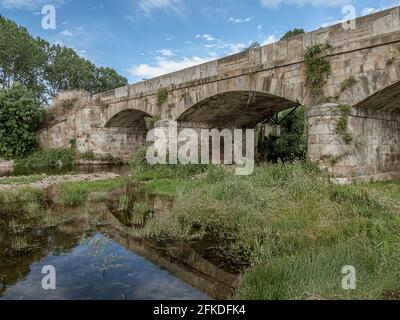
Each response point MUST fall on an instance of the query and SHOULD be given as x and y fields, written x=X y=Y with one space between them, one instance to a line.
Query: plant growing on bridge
x=342 y=125
x=317 y=69
x=347 y=84
x=151 y=122
x=293 y=33
x=162 y=97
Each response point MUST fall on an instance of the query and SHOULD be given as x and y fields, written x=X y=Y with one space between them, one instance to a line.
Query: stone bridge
x=241 y=90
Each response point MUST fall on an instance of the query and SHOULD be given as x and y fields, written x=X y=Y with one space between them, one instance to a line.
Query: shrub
x=48 y=159
x=318 y=68
x=292 y=144
x=162 y=97
x=20 y=116
x=64 y=104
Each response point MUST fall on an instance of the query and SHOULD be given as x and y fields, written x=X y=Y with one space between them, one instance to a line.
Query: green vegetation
x=391 y=61
x=21 y=180
x=48 y=159
x=46 y=69
x=151 y=122
x=348 y=83
x=162 y=97
x=20 y=116
x=293 y=33
x=90 y=156
x=23 y=195
x=142 y=171
x=342 y=125
x=291 y=144
x=318 y=68
x=73 y=194
x=253 y=45
x=293 y=227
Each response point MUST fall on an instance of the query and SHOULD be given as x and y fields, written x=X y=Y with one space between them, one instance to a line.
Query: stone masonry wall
x=374 y=152
x=83 y=129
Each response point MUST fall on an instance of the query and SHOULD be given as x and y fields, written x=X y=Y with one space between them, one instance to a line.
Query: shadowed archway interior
x=386 y=100
x=130 y=118
x=237 y=109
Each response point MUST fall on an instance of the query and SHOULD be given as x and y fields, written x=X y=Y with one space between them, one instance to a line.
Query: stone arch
x=129 y=118
x=235 y=109
x=386 y=100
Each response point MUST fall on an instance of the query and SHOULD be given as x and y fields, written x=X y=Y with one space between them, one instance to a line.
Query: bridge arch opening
x=124 y=133
x=129 y=119
x=254 y=110
x=236 y=109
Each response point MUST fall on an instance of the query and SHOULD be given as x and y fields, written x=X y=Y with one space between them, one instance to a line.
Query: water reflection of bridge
x=180 y=259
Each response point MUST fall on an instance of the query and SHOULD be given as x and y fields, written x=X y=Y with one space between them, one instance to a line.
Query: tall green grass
x=74 y=194
x=40 y=160
x=294 y=228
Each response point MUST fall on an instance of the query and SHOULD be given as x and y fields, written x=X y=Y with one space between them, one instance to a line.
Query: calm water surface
x=95 y=257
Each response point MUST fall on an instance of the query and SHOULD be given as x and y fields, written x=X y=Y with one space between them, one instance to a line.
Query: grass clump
x=143 y=171
x=348 y=83
x=73 y=194
x=23 y=195
x=46 y=159
x=162 y=97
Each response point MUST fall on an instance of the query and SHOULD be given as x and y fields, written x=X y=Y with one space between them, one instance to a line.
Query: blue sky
x=142 y=39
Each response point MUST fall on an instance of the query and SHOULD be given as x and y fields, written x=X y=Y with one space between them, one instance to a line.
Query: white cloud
x=236 y=47
x=66 y=33
x=165 y=66
x=271 y=39
x=169 y=37
x=240 y=20
x=169 y=5
x=27 y=4
x=166 y=53
x=315 y=3
x=206 y=36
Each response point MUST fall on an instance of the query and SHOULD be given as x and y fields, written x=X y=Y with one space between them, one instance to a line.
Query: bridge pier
x=354 y=144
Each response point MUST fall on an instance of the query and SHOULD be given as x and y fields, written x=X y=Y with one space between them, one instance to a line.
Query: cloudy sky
x=146 y=38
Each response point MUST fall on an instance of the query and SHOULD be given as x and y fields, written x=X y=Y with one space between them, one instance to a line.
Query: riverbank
x=42 y=182
x=288 y=228
x=292 y=226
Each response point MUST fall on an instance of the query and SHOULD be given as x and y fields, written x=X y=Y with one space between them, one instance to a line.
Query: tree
x=22 y=58
x=107 y=79
x=253 y=45
x=291 y=144
x=46 y=69
x=293 y=33
x=20 y=115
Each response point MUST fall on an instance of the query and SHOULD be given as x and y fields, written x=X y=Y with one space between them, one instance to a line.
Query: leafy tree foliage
x=46 y=69
x=291 y=144
x=293 y=33
x=20 y=115
x=21 y=58
x=253 y=45
x=66 y=71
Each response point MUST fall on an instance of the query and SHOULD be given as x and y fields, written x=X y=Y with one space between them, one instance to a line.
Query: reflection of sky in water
x=101 y=269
